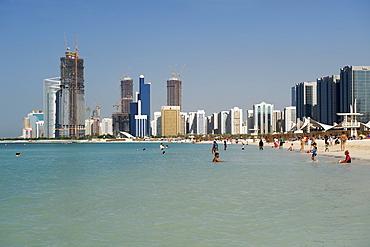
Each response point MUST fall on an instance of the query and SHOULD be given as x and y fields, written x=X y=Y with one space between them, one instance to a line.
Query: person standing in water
x=260 y=144
x=314 y=151
x=214 y=147
x=225 y=145
x=216 y=158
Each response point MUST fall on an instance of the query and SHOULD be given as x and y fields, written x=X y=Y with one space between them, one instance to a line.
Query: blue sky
x=237 y=53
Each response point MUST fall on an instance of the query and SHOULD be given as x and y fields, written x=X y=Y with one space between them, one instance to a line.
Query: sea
x=131 y=194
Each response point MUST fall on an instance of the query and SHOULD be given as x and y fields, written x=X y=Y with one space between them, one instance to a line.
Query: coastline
x=359 y=149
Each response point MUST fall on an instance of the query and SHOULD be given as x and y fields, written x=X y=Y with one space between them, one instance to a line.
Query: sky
x=236 y=52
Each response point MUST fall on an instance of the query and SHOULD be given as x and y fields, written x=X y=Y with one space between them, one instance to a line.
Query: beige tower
x=170 y=120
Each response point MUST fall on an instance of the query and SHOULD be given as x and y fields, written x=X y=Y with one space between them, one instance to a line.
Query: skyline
x=251 y=46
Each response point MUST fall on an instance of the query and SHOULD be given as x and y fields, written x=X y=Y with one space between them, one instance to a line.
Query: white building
x=263 y=118
x=191 y=123
x=236 y=121
x=51 y=86
x=106 y=126
x=156 y=124
x=290 y=118
x=89 y=123
x=201 y=122
x=33 y=125
x=222 y=122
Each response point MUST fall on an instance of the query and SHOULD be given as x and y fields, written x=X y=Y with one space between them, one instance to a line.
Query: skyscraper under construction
x=121 y=120
x=70 y=98
x=174 y=91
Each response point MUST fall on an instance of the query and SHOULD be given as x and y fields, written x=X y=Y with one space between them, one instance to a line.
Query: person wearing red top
x=347 y=159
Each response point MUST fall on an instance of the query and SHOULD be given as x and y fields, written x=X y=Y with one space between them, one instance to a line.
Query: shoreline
x=359 y=149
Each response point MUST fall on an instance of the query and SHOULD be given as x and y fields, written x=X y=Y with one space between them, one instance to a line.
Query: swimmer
x=215 y=159
x=18 y=154
x=291 y=148
x=164 y=152
x=347 y=159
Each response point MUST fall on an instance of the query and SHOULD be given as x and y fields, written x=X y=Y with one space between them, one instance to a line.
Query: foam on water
x=121 y=195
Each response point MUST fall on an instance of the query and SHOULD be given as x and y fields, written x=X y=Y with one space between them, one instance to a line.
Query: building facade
x=355 y=91
x=290 y=118
x=306 y=99
x=328 y=99
x=50 y=88
x=263 y=118
x=174 y=91
x=170 y=116
x=70 y=98
x=140 y=114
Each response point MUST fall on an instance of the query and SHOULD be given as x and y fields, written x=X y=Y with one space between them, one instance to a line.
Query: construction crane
x=117 y=105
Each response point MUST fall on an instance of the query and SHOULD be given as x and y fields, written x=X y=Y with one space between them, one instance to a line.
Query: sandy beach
x=359 y=149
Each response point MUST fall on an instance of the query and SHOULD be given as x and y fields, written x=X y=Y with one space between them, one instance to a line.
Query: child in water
x=347 y=159
x=314 y=151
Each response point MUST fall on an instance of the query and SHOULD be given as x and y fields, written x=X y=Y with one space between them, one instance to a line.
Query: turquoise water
x=121 y=195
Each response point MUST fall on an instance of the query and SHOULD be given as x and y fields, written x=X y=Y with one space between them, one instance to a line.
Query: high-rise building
x=222 y=122
x=191 y=123
x=263 y=118
x=174 y=92
x=236 y=121
x=306 y=100
x=70 y=98
x=140 y=114
x=290 y=118
x=328 y=99
x=201 y=122
x=355 y=91
x=121 y=119
x=278 y=118
x=106 y=126
x=51 y=86
x=170 y=117
x=33 y=125
x=156 y=124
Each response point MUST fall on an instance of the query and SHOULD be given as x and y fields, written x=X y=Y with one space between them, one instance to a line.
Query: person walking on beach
x=343 y=140
x=347 y=159
x=260 y=144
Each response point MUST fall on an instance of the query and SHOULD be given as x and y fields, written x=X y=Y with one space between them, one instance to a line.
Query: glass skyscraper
x=328 y=99
x=51 y=86
x=355 y=87
x=140 y=110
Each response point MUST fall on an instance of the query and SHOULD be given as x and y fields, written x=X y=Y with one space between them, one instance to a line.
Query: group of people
x=304 y=140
